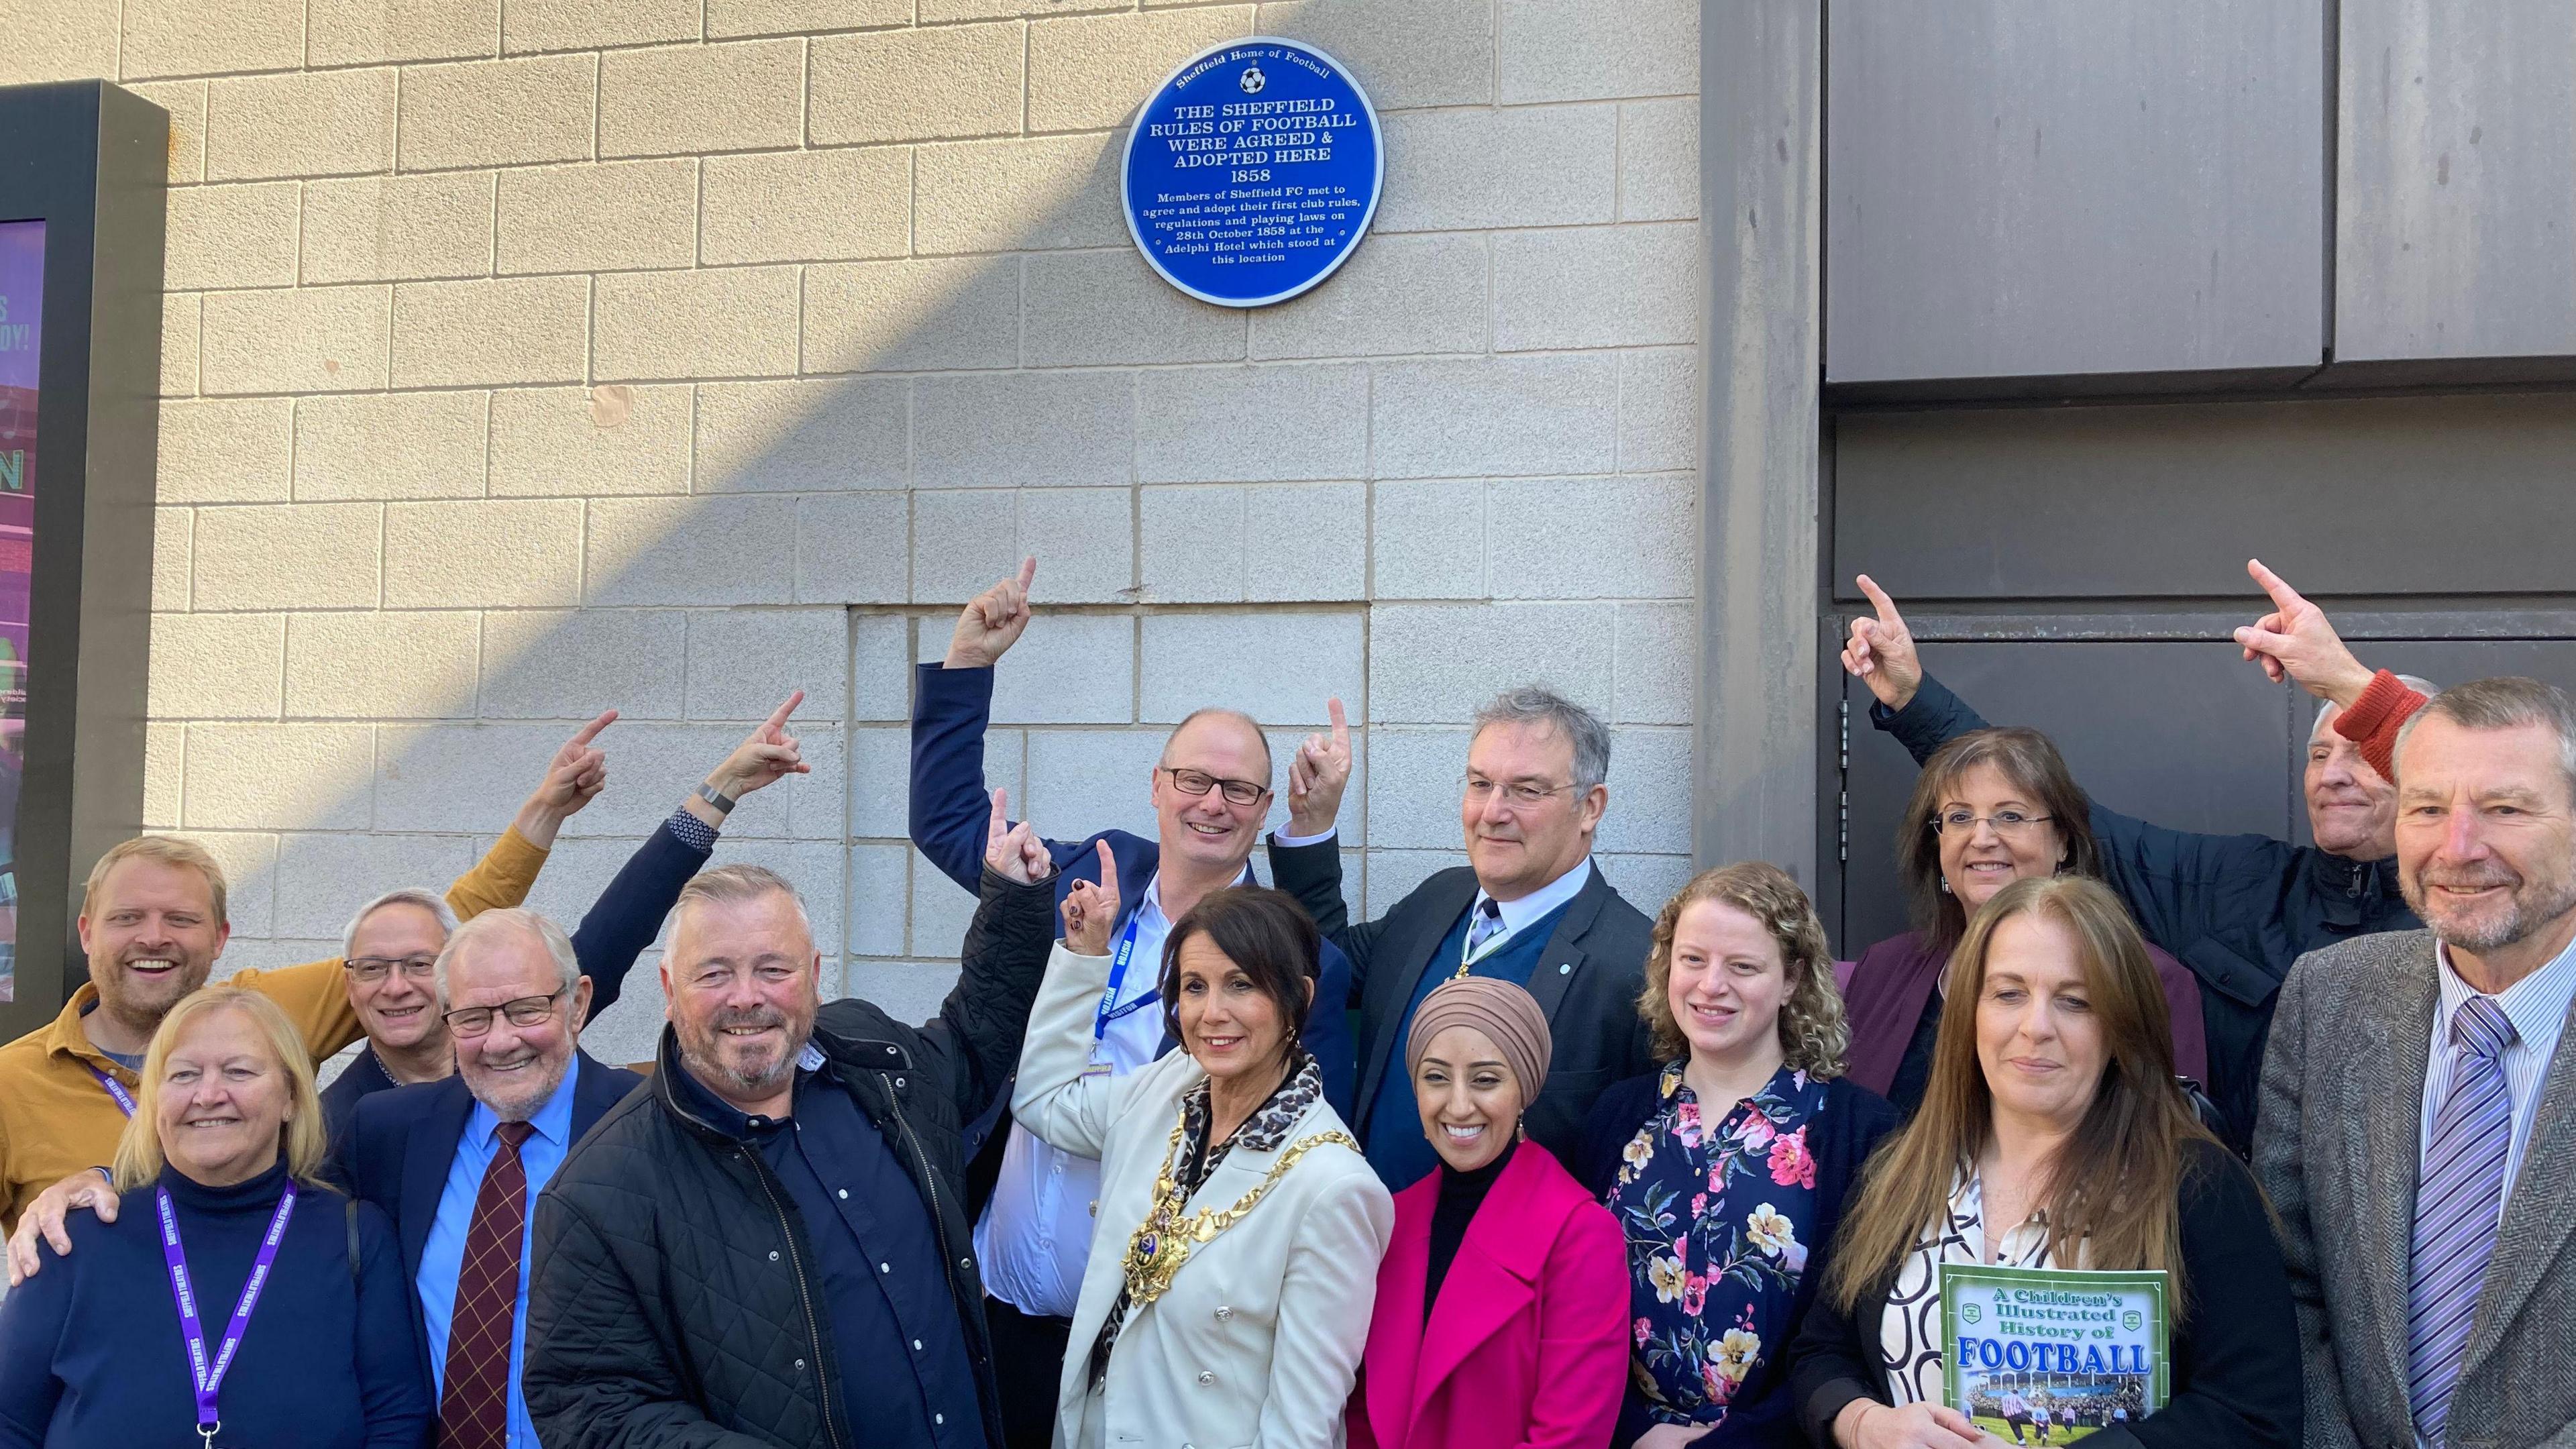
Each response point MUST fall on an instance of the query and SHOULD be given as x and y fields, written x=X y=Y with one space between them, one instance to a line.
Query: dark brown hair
x=1813 y=1034
x=2029 y=762
x=2114 y=1192
x=1263 y=931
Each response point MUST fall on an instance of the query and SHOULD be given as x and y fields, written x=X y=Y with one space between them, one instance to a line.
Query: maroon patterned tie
x=474 y=1406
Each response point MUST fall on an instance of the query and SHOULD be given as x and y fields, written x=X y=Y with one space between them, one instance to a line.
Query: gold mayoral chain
x=1164 y=1241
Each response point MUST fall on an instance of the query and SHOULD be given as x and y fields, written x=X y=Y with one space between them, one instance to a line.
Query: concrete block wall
x=525 y=358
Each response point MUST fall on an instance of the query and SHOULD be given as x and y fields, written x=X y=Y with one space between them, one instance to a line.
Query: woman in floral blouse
x=1727 y=1168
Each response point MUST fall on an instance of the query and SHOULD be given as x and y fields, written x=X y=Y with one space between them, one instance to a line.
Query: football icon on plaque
x=1252 y=172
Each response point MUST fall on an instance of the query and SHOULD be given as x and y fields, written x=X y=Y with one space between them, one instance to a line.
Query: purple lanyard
x=115 y=1090
x=208 y=1378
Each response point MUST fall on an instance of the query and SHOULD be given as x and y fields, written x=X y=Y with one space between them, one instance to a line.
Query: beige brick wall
x=530 y=357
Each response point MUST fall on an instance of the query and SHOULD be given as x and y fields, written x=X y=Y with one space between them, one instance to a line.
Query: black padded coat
x=669 y=1303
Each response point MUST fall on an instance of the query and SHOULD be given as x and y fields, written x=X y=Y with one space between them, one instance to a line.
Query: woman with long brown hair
x=2052 y=1135
x=1992 y=807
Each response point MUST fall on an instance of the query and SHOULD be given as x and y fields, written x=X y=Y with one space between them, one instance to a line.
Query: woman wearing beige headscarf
x=1501 y=1313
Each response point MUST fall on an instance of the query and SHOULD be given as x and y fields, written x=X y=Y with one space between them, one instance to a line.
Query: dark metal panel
x=91 y=161
x=2023 y=188
x=2455 y=231
x=1754 y=746
x=2184 y=735
x=2361 y=496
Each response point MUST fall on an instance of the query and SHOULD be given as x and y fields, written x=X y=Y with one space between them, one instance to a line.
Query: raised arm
x=986 y=1017
x=628 y=914
x=1056 y=1094
x=2296 y=641
x=952 y=704
x=573 y=778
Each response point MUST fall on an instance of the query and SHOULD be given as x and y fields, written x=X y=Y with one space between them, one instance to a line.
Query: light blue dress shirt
x=444 y=1253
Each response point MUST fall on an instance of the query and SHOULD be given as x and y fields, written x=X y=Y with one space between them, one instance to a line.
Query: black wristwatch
x=722 y=802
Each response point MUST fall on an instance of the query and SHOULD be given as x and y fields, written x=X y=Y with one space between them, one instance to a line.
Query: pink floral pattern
x=1717 y=1218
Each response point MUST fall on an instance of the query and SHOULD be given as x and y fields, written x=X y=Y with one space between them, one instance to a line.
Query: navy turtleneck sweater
x=90 y=1349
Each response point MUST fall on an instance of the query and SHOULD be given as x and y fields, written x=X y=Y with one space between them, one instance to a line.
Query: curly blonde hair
x=1813 y=1034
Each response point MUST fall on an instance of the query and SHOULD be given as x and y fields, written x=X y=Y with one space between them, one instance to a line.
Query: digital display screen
x=22 y=298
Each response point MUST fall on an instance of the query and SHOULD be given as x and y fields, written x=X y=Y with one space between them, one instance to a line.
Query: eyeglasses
x=473 y=1021
x=1520 y=793
x=1199 y=782
x=372 y=969
x=2005 y=822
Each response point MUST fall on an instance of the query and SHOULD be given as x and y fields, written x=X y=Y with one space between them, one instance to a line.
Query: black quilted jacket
x=669 y=1302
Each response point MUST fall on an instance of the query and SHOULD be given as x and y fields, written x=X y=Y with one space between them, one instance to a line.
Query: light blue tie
x=1486 y=926
x=2459 y=1198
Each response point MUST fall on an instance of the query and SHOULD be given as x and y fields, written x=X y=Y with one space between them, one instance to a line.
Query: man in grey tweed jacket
x=2421 y=1087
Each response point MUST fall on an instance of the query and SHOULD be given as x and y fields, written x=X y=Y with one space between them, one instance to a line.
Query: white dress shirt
x=1517 y=915
x=2537 y=1005
x=1035 y=1234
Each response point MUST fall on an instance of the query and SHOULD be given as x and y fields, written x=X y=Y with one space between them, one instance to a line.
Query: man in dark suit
x=459 y=1162
x=1211 y=791
x=1529 y=907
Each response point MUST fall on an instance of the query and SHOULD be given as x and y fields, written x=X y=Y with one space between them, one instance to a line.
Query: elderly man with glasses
x=1211 y=791
x=393 y=940
x=1529 y=907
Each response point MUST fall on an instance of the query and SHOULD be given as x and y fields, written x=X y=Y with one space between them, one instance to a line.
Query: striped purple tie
x=2458 y=1199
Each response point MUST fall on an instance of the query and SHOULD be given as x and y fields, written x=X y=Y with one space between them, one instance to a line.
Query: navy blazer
x=404 y=1142
x=952 y=810
x=615 y=931
x=1587 y=981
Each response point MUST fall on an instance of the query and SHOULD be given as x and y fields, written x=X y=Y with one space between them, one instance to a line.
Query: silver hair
x=1538 y=704
x=738 y=882
x=428 y=900
x=2415 y=682
x=494 y=923
x=2507 y=702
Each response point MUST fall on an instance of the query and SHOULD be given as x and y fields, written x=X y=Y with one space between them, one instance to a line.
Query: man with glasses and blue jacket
x=1211 y=791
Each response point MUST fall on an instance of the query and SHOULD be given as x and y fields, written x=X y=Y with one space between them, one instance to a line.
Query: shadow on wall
x=949 y=414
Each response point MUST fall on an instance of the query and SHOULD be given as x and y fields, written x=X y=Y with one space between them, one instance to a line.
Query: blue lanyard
x=1110 y=1011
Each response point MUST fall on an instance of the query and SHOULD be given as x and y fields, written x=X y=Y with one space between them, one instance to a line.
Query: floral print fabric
x=1718 y=1218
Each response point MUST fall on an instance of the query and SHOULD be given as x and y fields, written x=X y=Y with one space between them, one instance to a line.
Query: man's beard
x=702 y=1051
x=2530 y=906
x=138 y=1003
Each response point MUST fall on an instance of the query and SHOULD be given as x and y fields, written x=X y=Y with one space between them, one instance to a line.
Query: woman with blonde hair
x=252 y=1304
x=2052 y=1135
x=1727 y=1168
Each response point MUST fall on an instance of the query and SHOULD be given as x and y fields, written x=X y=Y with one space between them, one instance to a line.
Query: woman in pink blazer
x=1502 y=1304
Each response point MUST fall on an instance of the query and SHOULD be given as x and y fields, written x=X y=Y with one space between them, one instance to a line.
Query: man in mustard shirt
x=152 y=923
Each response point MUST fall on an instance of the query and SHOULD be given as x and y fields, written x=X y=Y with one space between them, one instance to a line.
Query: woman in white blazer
x=1234 y=1257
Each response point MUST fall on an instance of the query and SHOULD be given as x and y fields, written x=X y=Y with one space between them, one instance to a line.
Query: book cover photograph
x=2050 y=1355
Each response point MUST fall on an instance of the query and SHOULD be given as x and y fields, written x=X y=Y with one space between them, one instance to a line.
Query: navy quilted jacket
x=668 y=1303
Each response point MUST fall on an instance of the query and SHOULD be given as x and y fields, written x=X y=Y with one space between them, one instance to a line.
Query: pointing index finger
x=1879 y=601
x=1028 y=571
x=1341 y=723
x=778 y=716
x=583 y=736
x=2284 y=597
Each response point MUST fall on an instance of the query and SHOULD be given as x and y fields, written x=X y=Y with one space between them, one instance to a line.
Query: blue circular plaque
x=1252 y=172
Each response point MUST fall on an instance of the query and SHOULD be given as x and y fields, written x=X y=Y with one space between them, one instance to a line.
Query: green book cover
x=2050 y=1355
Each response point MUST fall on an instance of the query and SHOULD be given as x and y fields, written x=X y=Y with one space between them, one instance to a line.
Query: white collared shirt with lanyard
x=1035 y=1236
